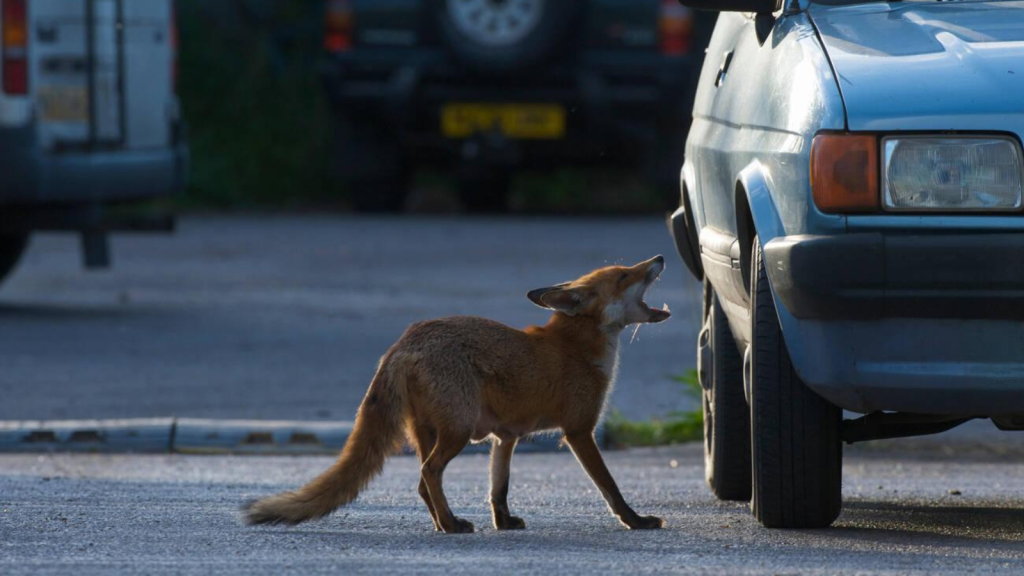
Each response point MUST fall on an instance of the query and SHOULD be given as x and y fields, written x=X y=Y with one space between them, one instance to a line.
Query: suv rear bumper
x=32 y=176
x=615 y=96
x=915 y=323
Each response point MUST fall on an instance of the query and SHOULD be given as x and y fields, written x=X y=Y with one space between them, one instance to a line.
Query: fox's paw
x=461 y=527
x=646 y=523
x=509 y=523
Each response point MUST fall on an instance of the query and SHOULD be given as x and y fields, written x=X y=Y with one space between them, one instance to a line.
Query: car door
x=766 y=89
x=709 y=153
x=102 y=73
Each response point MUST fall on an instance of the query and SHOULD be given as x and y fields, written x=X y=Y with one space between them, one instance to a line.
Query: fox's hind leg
x=501 y=462
x=426 y=439
x=449 y=444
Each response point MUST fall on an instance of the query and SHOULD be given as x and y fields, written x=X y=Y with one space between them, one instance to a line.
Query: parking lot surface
x=273 y=317
x=923 y=512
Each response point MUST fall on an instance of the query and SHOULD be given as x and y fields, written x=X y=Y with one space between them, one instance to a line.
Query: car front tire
x=485 y=193
x=726 y=414
x=795 y=444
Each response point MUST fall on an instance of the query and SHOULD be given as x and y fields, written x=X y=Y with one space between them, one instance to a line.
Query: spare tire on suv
x=502 y=36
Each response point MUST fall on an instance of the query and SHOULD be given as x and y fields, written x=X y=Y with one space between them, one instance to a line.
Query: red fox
x=450 y=381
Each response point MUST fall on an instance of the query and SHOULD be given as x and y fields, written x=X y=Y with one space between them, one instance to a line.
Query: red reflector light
x=15 y=76
x=338 y=25
x=15 y=46
x=334 y=42
x=675 y=26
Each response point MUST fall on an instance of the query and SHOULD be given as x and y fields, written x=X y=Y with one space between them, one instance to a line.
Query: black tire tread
x=797 y=453
x=372 y=164
x=485 y=194
x=727 y=464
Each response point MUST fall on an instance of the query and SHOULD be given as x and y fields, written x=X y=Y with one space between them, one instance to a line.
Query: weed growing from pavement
x=676 y=428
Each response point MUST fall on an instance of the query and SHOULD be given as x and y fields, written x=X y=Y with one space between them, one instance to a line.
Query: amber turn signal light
x=844 y=172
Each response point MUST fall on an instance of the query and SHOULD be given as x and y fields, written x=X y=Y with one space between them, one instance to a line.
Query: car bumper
x=610 y=97
x=33 y=177
x=872 y=275
x=917 y=323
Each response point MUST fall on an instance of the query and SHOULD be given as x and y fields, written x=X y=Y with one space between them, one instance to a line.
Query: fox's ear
x=557 y=298
x=535 y=295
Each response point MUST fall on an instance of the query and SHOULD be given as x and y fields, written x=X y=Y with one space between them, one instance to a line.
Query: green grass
x=677 y=428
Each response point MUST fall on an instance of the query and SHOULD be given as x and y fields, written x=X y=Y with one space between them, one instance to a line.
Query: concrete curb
x=128 y=435
x=201 y=436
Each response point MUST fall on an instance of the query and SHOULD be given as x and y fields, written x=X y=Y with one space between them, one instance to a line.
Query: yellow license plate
x=63 y=103
x=525 y=121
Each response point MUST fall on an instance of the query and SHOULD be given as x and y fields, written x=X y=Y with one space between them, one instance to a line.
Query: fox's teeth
x=665 y=307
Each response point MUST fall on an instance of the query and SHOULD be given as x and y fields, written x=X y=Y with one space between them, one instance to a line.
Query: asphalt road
x=285 y=317
x=178 y=515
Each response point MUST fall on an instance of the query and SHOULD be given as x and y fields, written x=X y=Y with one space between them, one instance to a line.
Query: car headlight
x=962 y=173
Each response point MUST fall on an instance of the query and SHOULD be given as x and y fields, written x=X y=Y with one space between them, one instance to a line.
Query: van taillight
x=338 y=26
x=15 y=45
x=675 y=26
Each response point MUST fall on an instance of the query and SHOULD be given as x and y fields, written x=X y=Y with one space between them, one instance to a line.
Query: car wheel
x=373 y=165
x=12 y=246
x=726 y=415
x=494 y=37
x=485 y=193
x=795 y=445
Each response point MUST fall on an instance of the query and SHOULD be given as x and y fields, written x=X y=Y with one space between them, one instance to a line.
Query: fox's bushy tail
x=376 y=435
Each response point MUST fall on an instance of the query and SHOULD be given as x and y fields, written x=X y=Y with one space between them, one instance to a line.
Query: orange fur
x=446 y=382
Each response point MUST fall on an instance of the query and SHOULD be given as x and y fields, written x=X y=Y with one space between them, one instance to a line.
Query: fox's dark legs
x=448 y=446
x=587 y=452
x=501 y=462
x=426 y=439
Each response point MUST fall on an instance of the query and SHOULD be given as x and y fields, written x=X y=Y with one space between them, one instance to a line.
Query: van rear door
x=102 y=73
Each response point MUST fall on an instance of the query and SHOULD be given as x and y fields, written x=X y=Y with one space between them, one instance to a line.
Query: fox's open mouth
x=654 y=315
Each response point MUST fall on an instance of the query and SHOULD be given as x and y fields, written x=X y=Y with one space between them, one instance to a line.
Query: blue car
x=851 y=198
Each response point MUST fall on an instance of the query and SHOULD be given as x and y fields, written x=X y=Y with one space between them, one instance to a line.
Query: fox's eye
x=623 y=277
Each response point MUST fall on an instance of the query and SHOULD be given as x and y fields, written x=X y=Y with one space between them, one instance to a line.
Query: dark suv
x=488 y=86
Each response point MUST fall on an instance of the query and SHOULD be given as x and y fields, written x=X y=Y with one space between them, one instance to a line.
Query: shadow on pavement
x=966 y=526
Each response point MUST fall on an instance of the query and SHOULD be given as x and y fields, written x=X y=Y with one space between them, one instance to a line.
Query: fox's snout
x=655 y=266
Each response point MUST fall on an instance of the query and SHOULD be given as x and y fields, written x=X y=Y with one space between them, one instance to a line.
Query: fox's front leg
x=586 y=451
x=501 y=462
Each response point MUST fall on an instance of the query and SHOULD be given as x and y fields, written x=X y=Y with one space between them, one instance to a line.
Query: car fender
x=755 y=181
x=688 y=186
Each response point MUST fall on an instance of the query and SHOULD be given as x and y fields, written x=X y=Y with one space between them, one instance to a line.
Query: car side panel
x=760 y=118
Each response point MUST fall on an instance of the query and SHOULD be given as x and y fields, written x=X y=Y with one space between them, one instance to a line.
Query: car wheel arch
x=758 y=190
x=755 y=186
x=745 y=232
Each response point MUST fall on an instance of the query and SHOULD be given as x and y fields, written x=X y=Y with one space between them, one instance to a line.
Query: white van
x=88 y=116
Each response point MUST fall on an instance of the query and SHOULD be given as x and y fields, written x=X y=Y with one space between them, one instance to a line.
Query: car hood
x=928 y=65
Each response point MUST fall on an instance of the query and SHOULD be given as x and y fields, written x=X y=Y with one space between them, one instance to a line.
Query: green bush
x=260 y=127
